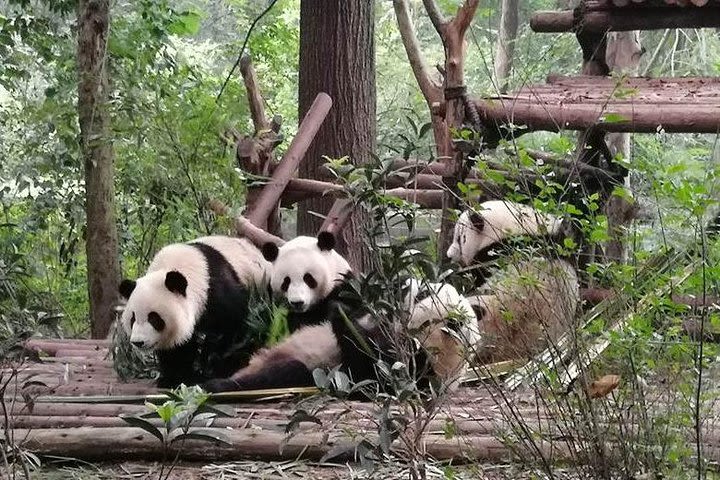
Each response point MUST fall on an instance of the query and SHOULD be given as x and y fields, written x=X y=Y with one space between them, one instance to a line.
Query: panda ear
x=126 y=288
x=176 y=282
x=477 y=221
x=326 y=241
x=270 y=251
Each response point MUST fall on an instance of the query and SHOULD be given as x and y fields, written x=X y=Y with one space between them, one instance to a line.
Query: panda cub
x=191 y=306
x=310 y=276
x=532 y=301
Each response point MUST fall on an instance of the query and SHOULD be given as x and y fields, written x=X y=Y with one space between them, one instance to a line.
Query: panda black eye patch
x=310 y=280
x=156 y=321
x=285 y=284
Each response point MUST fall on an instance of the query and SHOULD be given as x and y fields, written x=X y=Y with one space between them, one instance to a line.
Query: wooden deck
x=72 y=404
x=75 y=413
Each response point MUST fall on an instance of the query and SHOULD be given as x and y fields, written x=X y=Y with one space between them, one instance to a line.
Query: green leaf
x=203 y=435
x=138 y=422
x=186 y=23
x=613 y=118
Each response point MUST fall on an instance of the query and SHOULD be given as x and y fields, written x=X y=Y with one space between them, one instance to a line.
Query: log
x=642 y=118
x=51 y=346
x=256 y=235
x=80 y=410
x=270 y=196
x=552 y=21
x=106 y=444
x=135 y=388
x=338 y=216
x=95 y=444
x=627 y=19
x=255 y=101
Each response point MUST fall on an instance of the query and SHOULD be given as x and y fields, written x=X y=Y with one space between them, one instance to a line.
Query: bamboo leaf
x=138 y=422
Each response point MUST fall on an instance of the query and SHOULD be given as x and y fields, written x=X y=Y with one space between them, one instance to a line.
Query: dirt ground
x=282 y=470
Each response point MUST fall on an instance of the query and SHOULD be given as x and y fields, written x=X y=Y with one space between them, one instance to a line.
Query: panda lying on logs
x=531 y=302
x=191 y=306
x=312 y=278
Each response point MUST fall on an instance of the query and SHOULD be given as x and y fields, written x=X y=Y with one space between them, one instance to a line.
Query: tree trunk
x=505 y=46
x=337 y=56
x=623 y=56
x=103 y=269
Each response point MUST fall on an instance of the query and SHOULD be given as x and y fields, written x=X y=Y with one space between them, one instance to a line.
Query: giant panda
x=307 y=275
x=435 y=316
x=529 y=303
x=334 y=327
x=191 y=307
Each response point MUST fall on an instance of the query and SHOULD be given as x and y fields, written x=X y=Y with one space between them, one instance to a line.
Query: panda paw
x=217 y=385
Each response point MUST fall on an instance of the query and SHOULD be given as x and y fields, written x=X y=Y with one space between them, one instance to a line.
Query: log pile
x=66 y=419
x=76 y=414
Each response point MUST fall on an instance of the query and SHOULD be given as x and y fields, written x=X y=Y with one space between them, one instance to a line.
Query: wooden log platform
x=68 y=406
x=644 y=105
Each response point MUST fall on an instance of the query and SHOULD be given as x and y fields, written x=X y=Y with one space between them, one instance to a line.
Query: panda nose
x=138 y=343
x=297 y=305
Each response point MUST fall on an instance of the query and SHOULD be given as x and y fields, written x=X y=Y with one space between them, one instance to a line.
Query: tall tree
x=337 y=56
x=505 y=43
x=103 y=269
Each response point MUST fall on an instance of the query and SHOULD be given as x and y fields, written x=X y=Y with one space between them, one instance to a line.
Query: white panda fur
x=190 y=290
x=530 y=302
x=300 y=257
x=431 y=320
x=497 y=221
x=312 y=343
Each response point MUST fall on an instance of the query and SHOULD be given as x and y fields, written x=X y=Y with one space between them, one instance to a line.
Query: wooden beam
x=626 y=19
x=626 y=117
x=552 y=22
x=268 y=199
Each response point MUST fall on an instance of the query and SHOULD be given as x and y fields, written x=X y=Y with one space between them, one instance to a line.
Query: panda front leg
x=272 y=368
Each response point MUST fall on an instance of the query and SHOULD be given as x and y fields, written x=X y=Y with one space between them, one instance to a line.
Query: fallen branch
x=257 y=236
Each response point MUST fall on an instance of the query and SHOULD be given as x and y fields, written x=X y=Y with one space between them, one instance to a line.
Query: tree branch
x=436 y=17
x=257 y=109
x=431 y=90
x=464 y=16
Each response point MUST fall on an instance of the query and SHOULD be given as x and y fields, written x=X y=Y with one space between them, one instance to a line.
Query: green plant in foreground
x=186 y=416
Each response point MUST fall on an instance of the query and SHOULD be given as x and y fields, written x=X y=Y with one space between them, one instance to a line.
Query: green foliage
x=186 y=416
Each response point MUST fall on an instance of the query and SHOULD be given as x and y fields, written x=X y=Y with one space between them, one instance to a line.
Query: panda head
x=305 y=270
x=498 y=221
x=158 y=313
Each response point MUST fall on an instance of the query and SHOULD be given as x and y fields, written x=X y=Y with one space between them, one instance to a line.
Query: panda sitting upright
x=307 y=274
x=192 y=305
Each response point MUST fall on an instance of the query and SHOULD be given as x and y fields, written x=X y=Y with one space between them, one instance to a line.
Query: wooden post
x=452 y=33
x=270 y=196
x=255 y=153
